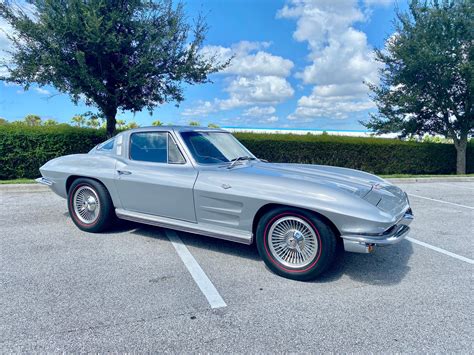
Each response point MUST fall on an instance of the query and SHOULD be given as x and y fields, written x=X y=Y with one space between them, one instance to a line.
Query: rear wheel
x=90 y=205
x=295 y=243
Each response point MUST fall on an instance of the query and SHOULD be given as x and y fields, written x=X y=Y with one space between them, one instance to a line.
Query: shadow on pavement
x=203 y=242
x=387 y=266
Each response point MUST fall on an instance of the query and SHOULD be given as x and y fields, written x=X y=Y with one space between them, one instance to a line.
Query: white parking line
x=441 y=201
x=201 y=279
x=439 y=250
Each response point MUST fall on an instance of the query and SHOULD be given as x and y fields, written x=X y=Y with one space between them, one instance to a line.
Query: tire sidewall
x=325 y=237
x=104 y=205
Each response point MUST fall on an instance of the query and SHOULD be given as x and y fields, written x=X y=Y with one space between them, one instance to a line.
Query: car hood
x=371 y=188
x=353 y=181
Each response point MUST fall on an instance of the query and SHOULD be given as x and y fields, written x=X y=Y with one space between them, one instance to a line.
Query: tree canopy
x=114 y=54
x=427 y=74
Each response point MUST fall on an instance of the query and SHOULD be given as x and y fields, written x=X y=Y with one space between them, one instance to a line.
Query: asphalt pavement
x=139 y=288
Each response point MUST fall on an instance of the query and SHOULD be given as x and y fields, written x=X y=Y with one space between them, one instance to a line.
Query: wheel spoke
x=293 y=242
x=86 y=204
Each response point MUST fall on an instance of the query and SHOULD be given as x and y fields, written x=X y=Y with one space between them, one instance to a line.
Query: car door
x=155 y=178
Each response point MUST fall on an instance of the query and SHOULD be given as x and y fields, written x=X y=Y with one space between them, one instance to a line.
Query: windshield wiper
x=236 y=160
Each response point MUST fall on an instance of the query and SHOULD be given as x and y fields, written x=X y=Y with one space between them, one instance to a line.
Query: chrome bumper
x=365 y=243
x=44 y=181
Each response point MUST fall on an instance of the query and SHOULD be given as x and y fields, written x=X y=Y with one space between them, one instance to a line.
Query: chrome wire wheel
x=292 y=242
x=86 y=204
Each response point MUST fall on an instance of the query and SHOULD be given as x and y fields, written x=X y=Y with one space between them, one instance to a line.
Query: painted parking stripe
x=441 y=201
x=439 y=250
x=199 y=276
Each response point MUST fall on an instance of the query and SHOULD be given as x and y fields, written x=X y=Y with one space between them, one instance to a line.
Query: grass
x=17 y=181
x=403 y=176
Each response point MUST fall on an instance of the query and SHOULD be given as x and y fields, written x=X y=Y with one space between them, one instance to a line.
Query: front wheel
x=90 y=205
x=295 y=243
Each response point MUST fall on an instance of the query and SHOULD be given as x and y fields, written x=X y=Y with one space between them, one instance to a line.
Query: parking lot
x=141 y=288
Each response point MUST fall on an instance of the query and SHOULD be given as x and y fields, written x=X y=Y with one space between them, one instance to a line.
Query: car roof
x=176 y=129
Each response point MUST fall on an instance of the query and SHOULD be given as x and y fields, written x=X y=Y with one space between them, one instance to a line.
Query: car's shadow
x=202 y=242
x=387 y=266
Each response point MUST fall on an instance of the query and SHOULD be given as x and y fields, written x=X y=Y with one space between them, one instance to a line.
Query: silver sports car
x=205 y=181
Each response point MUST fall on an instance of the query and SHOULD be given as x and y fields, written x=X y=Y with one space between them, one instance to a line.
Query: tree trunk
x=461 y=149
x=110 y=114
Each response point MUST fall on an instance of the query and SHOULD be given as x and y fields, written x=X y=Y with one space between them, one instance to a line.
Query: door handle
x=124 y=172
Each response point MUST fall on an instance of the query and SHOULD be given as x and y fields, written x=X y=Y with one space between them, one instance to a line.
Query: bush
x=24 y=149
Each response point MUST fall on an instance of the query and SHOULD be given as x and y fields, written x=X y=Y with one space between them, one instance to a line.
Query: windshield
x=214 y=147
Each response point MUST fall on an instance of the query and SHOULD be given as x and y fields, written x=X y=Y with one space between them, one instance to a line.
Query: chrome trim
x=292 y=242
x=393 y=235
x=86 y=204
x=356 y=247
x=44 y=181
x=213 y=231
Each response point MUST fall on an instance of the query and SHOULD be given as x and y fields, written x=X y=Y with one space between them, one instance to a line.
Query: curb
x=430 y=179
x=23 y=188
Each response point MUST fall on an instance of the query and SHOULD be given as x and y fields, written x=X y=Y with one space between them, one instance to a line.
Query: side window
x=174 y=154
x=149 y=146
x=107 y=145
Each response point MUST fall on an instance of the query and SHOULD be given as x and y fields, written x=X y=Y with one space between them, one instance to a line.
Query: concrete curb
x=23 y=188
x=430 y=179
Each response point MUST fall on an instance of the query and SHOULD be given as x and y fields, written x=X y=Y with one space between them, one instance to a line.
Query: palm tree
x=78 y=120
x=194 y=123
x=92 y=122
x=157 y=123
x=132 y=125
x=33 y=120
x=50 y=122
x=120 y=124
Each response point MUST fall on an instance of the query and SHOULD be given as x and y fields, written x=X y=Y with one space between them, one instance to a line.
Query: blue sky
x=297 y=64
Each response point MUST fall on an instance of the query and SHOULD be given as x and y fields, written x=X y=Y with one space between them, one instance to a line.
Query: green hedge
x=24 y=149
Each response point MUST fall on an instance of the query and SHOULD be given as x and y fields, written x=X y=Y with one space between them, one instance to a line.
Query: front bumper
x=365 y=243
x=44 y=181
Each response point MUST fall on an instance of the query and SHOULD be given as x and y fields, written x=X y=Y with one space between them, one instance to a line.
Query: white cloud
x=271 y=119
x=202 y=109
x=247 y=63
x=259 y=89
x=335 y=107
x=255 y=77
x=259 y=111
x=245 y=91
x=346 y=59
x=10 y=85
x=261 y=63
x=378 y=2
x=340 y=57
x=42 y=91
x=4 y=46
x=344 y=90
